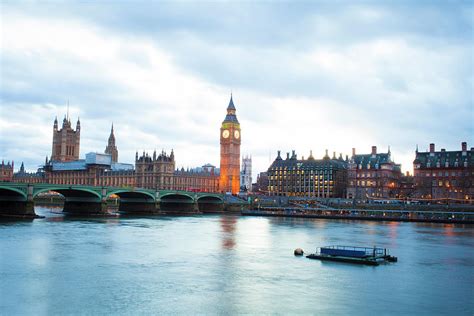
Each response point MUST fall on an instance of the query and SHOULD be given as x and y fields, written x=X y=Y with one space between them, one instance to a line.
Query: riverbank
x=372 y=215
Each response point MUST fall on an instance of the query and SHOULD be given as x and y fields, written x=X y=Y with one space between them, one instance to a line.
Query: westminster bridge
x=19 y=199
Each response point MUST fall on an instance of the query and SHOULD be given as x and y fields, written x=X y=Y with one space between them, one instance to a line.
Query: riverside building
x=321 y=178
x=444 y=174
x=373 y=175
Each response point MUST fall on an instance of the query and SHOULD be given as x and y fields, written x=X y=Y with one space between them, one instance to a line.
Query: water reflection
x=228 y=227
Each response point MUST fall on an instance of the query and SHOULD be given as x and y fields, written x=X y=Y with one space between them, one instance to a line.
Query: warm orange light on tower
x=230 y=152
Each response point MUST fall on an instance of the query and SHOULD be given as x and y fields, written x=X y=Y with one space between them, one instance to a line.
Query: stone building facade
x=156 y=171
x=150 y=171
x=373 y=175
x=6 y=171
x=320 y=178
x=28 y=177
x=261 y=185
x=407 y=186
x=66 y=141
x=204 y=179
x=444 y=174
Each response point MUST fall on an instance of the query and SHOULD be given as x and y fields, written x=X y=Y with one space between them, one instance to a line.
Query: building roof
x=231 y=104
x=371 y=159
x=69 y=165
x=444 y=159
x=231 y=117
x=374 y=161
x=309 y=164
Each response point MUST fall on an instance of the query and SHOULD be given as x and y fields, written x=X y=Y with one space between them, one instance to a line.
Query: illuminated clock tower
x=230 y=152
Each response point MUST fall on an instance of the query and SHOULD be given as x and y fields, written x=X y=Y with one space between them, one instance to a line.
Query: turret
x=111 y=140
x=55 y=125
x=78 y=125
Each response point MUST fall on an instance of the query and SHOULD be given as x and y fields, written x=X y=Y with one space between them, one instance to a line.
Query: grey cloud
x=257 y=49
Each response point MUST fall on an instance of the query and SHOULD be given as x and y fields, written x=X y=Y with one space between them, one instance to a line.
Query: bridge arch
x=178 y=196
x=12 y=194
x=133 y=194
x=210 y=203
x=177 y=202
x=210 y=198
x=72 y=192
x=135 y=201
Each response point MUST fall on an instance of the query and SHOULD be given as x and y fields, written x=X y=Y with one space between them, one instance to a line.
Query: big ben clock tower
x=230 y=152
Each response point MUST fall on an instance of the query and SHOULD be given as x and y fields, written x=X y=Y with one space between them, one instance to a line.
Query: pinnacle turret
x=231 y=104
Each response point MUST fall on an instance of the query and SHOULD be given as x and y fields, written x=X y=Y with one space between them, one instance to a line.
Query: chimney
x=374 y=150
x=293 y=155
x=287 y=156
x=353 y=152
x=279 y=152
x=432 y=148
x=443 y=150
x=464 y=146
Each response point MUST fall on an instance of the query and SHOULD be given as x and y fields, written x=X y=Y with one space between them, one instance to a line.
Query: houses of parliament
x=151 y=170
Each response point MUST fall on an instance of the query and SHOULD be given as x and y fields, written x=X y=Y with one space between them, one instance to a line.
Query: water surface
x=228 y=265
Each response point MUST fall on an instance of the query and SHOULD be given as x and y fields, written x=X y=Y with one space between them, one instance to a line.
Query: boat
x=360 y=255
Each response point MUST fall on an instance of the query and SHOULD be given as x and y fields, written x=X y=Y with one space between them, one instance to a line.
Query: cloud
x=304 y=76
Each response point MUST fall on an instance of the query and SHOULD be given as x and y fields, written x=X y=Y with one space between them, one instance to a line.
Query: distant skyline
x=304 y=76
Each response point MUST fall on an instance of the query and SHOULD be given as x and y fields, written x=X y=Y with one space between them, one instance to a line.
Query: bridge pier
x=85 y=207
x=211 y=207
x=178 y=208
x=18 y=209
x=139 y=208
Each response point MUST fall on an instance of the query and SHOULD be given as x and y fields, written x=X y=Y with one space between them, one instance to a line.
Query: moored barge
x=359 y=255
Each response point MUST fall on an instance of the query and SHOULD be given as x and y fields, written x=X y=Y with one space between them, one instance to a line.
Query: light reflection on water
x=228 y=265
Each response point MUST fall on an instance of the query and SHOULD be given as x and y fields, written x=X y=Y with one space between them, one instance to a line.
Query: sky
x=305 y=75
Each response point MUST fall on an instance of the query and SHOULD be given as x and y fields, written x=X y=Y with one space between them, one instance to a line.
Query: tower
x=230 y=152
x=66 y=141
x=246 y=174
x=111 y=149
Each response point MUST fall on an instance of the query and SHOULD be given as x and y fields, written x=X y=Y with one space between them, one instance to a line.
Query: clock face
x=236 y=134
x=225 y=133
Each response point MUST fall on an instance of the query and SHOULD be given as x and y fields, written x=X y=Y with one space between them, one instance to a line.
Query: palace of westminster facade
x=152 y=171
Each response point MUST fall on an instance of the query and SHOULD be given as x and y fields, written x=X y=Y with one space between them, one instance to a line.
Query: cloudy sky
x=304 y=75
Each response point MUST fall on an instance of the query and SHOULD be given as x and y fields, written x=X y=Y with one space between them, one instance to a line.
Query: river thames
x=221 y=264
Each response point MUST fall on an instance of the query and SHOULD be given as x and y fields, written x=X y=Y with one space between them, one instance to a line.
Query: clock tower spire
x=230 y=151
